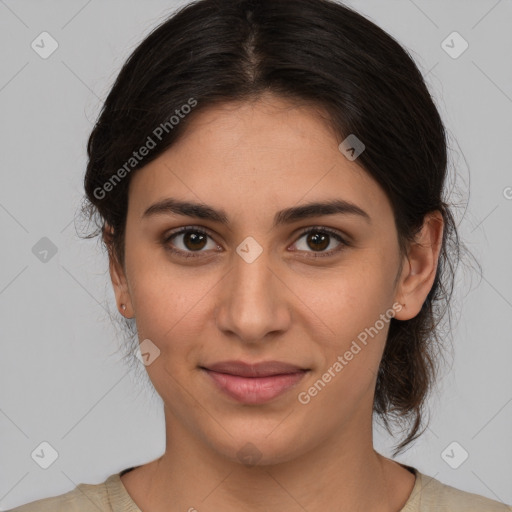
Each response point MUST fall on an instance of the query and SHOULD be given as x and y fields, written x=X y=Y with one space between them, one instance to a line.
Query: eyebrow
x=286 y=216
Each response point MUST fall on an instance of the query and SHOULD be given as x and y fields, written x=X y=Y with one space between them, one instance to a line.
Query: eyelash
x=197 y=254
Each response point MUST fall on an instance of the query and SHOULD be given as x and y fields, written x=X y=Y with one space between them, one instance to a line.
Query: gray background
x=61 y=378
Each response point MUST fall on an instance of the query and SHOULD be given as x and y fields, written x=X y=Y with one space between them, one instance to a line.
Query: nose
x=253 y=304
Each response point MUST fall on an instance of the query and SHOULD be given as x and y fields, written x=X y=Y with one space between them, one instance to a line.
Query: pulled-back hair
x=314 y=52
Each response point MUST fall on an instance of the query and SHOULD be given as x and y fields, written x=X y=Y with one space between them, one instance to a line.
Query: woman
x=269 y=177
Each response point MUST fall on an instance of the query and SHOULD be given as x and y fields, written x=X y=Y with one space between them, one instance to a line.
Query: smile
x=254 y=384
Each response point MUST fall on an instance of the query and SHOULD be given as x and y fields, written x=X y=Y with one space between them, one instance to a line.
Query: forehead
x=263 y=154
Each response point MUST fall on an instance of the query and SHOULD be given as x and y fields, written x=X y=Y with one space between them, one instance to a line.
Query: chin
x=259 y=446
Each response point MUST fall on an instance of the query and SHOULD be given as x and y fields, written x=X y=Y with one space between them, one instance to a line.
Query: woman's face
x=256 y=288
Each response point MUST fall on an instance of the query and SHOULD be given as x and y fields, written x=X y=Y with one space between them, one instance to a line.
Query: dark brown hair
x=318 y=52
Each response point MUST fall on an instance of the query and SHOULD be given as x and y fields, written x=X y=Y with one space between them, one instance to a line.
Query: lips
x=254 y=383
x=263 y=369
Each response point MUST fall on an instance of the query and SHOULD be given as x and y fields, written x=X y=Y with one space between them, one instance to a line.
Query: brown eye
x=318 y=240
x=187 y=241
x=194 y=241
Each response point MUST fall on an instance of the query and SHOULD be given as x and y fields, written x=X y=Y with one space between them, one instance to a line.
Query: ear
x=420 y=266
x=118 y=276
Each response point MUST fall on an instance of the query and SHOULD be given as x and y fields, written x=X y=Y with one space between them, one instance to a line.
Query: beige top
x=428 y=495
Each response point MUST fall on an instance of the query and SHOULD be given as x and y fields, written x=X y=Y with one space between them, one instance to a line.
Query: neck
x=341 y=474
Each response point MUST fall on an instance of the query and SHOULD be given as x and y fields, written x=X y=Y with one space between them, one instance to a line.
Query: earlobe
x=119 y=282
x=420 y=268
x=120 y=286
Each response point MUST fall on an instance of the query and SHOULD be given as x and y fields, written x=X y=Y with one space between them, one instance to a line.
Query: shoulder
x=431 y=495
x=83 y=498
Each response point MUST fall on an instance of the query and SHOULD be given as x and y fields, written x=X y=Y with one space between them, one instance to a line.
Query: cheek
x=170 y=304
x=354 y=311
x=166 y=308
x=344 y=382
x=348 y=299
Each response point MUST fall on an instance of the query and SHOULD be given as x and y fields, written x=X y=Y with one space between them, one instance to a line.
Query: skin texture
x=252 y=160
